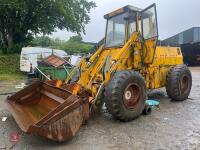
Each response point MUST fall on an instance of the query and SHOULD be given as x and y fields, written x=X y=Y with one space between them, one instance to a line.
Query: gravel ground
x=175 y=125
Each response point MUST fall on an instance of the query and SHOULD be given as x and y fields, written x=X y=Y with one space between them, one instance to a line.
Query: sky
x=174 y=16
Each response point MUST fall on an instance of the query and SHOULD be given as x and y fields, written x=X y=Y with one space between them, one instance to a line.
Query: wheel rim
x=184 y=84
x=131 y=96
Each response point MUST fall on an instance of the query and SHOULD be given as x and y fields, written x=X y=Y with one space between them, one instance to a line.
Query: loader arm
x=134 y=42
x=103 y=63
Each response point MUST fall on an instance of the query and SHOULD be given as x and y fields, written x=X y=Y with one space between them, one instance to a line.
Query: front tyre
x=125 y=95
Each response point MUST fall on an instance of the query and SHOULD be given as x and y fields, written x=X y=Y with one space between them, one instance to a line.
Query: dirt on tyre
x=179 y=83
x=125 y=95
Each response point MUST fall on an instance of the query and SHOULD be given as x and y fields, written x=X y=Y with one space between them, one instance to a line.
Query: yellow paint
x=155 y=69
x=58 y=83
x=152 y=61
x=76 y=89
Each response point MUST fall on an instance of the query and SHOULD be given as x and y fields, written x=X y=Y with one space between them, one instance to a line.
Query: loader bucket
x=45 y=110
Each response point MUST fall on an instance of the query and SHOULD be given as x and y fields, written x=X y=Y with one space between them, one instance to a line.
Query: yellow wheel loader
x=119 y=73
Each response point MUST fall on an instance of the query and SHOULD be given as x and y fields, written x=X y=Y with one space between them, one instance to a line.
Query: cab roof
x=122 y=10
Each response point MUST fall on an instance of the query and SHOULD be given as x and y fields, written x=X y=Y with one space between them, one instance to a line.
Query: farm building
x=189 y=41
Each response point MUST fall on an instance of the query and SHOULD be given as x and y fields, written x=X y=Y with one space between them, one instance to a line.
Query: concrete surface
x=176 y=125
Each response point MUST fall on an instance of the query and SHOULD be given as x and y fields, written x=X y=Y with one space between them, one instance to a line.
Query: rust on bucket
x=52 y=112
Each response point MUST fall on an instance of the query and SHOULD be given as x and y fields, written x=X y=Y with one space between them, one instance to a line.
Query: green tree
x=74 y=45
x=43 y=41
x=76 y=38
x=21 y=19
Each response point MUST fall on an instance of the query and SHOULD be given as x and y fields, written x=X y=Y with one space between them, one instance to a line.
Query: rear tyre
x=179 y=83
x=125 y=95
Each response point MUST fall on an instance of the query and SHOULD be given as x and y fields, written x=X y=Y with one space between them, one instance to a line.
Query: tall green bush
x=9 y=64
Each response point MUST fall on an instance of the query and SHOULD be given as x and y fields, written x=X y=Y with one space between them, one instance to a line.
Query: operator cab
x=122 y=23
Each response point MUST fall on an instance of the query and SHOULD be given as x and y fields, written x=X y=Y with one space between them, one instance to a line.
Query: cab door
x=149 y=32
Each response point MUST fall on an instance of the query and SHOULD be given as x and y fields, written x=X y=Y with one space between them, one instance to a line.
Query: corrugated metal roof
x=191 y=35
x=55 y=61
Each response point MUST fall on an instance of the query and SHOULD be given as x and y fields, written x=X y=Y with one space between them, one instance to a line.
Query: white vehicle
x=75 y=59
x=30 y=56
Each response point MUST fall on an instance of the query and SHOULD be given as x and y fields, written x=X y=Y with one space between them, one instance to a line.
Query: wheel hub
x=128 y=95
x=131 y=96
x=184 y=84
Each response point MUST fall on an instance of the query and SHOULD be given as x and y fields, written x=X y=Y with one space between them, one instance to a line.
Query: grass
x=9 y=67
x=11 y=77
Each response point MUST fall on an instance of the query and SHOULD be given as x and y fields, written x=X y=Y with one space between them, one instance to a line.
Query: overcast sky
x=174 y=16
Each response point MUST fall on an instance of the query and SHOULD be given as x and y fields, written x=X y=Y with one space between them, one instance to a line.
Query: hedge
x=9 y=64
